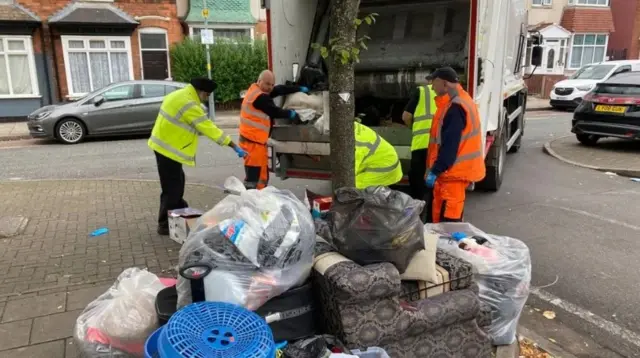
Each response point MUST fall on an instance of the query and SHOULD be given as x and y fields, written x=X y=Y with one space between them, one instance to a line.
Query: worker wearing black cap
x=455 y=156
x=174 y=141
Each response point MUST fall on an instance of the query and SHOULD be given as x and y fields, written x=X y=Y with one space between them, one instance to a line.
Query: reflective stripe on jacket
x=422 y=118
x=376 y=160
x=180 y=120
x=255 y=125
x=469 y=164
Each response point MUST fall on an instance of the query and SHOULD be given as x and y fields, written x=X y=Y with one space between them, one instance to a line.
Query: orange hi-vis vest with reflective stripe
x=469 y=165
x=255 y=125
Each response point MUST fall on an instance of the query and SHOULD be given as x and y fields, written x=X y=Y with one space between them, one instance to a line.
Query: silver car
x=127 y=108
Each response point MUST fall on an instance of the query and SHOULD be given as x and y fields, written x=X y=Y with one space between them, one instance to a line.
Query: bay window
x=231 y=34
x=587 y=49
x=589 y=2
x=17 y=67
x=94 y=62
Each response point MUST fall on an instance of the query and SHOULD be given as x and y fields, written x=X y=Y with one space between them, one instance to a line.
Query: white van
x=568 y=93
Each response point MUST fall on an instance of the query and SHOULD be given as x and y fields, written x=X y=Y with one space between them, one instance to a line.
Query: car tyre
x=70 y=131
x=588 y=139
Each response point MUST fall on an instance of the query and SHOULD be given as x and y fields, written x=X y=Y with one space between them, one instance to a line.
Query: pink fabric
x=167 y=281
x=94 y=335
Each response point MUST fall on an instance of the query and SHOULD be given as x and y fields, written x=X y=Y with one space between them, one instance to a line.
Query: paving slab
x=608 y=155
x=45 y=350
x=79 y=299
x=53 y=327
x=34 y=307
x=15 y=334
x=71 y=349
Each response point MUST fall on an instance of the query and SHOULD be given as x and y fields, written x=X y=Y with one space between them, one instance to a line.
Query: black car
x=611 y=109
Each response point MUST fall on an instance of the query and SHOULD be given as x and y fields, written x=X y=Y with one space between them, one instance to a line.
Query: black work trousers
x=172 y=182
x=417 y=186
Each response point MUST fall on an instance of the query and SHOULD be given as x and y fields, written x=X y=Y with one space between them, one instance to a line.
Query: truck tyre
x=495 y=159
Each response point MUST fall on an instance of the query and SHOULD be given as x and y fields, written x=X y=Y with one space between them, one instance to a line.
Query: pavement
x=53 y=269
x=576 y=222
x=608 y=155
x=18 y=130
x=537 y=104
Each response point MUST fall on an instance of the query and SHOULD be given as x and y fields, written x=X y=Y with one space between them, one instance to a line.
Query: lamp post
x=205 y=14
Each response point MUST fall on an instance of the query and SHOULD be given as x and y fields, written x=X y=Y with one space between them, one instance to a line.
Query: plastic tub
x=371 y=352
x=151 y=345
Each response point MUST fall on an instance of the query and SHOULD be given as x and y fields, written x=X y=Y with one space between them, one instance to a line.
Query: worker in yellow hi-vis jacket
x=174 y=141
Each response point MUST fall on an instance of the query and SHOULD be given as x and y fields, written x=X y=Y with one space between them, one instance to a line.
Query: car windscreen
x=594 y=72
x=621 y=89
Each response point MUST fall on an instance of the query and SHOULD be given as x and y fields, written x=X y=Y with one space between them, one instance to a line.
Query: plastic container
x=371 y=352
x=151 y=345
x=166 y=302
x=216 y=330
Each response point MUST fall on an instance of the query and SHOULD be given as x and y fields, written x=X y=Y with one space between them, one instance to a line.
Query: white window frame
x=542 y=3
x=65 y=52
x=251 y=28
x=584 y=3
x=28 y=43
x=154 y=30
x=569 y=65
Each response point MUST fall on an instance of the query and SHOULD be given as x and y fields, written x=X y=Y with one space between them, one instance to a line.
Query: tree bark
x=341 y=94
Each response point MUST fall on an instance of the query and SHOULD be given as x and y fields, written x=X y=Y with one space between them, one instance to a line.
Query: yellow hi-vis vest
x=180 y=120
x=422 y=118
x=376 y=160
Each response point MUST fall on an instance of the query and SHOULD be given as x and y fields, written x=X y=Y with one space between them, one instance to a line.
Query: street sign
x=206 y=36
x=205 y=13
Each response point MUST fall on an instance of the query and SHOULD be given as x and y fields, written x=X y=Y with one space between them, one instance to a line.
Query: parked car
x=123 y=108
x=568 y=94
x=612 y=109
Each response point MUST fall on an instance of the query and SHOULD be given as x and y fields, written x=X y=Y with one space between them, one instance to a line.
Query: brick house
x=624 y=42
x=230 y=19
x=75 y=47
x=575 y=32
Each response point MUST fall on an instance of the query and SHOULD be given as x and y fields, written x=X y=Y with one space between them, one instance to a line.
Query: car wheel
x=70 y=131
x=588 y=139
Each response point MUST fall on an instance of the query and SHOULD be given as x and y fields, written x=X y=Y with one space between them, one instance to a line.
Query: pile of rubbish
x=244 y=287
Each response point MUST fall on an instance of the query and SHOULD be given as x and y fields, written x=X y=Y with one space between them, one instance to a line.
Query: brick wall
x=53 y=45
x=261 y=29
x=541 y=85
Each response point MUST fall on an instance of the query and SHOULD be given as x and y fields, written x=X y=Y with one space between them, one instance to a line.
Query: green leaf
x=368 y=20
x=344 y=53
x=363 y=45
x=357 y=22
x=355 y=51
x=323 y=52
x=315 y=46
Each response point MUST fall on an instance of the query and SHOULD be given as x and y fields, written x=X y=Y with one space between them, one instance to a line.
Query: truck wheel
x=495 y=159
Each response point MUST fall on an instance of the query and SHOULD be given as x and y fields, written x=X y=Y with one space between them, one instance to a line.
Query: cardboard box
x=180 y=223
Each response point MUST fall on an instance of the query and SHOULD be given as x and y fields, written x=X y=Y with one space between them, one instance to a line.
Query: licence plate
x=562 y=98
x=610 y=109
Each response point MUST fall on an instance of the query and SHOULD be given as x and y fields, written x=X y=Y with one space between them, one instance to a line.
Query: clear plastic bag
x=502 y=270
x=249 y=248
x=117 y=323
x=375 y=225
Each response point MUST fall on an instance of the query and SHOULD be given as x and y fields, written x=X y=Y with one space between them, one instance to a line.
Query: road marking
x=586 y=315
x=595 y=216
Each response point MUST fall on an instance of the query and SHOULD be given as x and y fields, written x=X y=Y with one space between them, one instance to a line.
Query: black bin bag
x=375 y=225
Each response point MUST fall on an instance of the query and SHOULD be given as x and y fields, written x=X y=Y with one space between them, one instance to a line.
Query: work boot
x=164 y=231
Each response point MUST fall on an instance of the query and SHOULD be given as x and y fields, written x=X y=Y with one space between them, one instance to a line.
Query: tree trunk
x=341 y=95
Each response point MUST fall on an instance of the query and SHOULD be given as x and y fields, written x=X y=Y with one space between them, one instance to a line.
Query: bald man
x=256 y=119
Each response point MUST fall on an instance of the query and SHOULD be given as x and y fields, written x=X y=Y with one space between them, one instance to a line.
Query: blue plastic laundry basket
x=216 y=330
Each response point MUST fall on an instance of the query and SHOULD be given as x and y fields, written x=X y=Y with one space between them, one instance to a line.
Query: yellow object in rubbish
x=549 y=314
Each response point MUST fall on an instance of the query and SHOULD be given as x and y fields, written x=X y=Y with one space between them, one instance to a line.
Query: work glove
x=431 y=180
x=304 y=89
x=241 y=152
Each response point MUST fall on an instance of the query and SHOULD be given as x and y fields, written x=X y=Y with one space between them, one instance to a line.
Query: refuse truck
x=483 y=40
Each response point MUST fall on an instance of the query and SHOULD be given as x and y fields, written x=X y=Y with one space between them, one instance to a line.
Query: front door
x=155 y=65
x=554 y=56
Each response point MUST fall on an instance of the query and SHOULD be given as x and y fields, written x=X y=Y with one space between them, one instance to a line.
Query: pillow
x=422 y=266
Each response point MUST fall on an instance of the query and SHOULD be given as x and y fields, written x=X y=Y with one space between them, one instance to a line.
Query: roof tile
x=15 y=12
x=592 y=20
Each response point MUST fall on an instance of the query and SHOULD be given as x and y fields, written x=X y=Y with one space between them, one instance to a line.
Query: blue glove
x=292 y=114
x=431 y=180
x=241 y=153
x=304 y=89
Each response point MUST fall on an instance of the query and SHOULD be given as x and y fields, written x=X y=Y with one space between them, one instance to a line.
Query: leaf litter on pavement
x=529 y=349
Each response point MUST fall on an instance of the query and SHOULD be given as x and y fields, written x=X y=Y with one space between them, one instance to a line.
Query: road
x=580 y=225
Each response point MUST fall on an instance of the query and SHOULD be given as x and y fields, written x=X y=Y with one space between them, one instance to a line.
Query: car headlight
x=42 y=115
x=585 y=88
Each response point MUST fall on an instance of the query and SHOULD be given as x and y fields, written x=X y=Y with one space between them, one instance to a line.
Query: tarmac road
x=580 y=225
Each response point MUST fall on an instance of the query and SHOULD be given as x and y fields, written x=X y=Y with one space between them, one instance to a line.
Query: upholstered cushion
x=460 y=271
x=422 y=266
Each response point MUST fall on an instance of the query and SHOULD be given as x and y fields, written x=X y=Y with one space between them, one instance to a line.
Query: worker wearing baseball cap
x=174 y=140
x=455 y=156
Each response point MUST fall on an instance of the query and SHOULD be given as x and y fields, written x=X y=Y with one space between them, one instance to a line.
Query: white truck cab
x=484 y=40
x=569 y=93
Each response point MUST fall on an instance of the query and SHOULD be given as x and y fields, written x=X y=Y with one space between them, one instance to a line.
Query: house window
x=589 y=2
x=229 y=34
x=154 y=53
x=94 y=62
x=587 y=48
x=541 y=2
x=17 y=67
